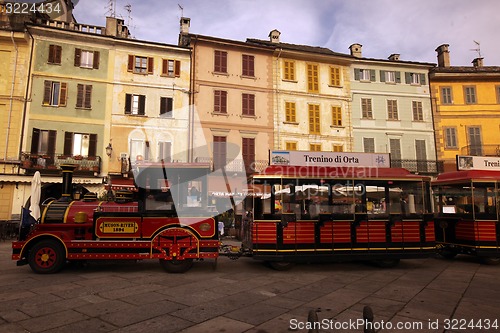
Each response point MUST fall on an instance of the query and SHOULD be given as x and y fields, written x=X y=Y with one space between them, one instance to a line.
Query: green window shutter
x=79 y=96
x=407 y=78
x=372 y=75
x=422 y=79
x=382 y=76
x=356 y=74
x=398 y=77
x=88 y=96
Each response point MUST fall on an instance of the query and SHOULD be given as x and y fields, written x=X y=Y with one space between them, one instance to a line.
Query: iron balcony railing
x=49 y=164
x=234 y=165
x=481 y=150
x=419 y=167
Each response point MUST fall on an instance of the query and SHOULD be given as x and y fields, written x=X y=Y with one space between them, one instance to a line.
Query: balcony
x=480 y=150
x=87 y=166
x=235 y=165
x=419 y=167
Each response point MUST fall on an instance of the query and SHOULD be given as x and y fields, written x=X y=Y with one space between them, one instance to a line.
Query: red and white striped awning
x=123 y=184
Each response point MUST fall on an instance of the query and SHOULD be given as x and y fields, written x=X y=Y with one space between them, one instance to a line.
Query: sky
x=411 y=28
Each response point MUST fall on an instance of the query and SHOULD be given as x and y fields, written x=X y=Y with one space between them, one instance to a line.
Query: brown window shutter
x=79 y=96
x=177 y=68
x=88 y=96
x=96 y=59
x=78 y=54
x=128 y=104
x=150 y=65
x=63 y=94
x=51 y=54
x=93 y=145
x=35 y=137
x=51 y=149
x=130 y=67
x=170 y=104
x=68 y=143
x=163 y=105
x=57 y=57
x=223 y=106
x=142 y=104
x=47 y=87
x=164 y=68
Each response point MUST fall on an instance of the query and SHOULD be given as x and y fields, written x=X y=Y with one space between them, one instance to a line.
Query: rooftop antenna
x=128 y=8
x=182 y=10
x=111 y=8
x=478 y=49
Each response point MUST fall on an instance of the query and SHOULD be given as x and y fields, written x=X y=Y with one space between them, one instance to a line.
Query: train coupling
x=233 y=252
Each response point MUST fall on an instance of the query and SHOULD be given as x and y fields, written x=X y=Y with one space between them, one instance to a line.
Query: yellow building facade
x=466 y=109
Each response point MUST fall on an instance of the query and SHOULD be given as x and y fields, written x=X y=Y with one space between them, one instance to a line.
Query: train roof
x=468 y=176
x=287 y=171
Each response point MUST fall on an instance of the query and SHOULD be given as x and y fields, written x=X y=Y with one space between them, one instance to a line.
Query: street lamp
x=109 y=150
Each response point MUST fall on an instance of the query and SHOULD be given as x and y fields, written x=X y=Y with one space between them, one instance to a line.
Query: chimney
x=356 y=50
x=67 y=182
x=116 y=27
x=443 y=55
x=274 y=36
x=394 y=57
x=478 y=62
x=185 y=23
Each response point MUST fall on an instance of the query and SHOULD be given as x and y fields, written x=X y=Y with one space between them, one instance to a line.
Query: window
x=314 y=124
x=415 y=78
x=43 y=141
x=54 y=93
x=392 y=109
x=418 y=114
x=364 y=74
x=312 y=78
x=421 y=155
x=135 y=104
x=219 y=152
x=139 y=150
x=369 y=145
x=220 y=64
x=390 y=76
x=335 y=76
x=290 y=115
x=86 y=59
x=84 y=96
x=337 y=148
x=366 y=108
x=83 y=144
x=220 y=101
x=248 y=152
x=248 y=105
x=248 y=65
x=291 y=145
x=336 y=116
x=470 y=94
x=475 y=141
x=446 y=96
x=315 y=146
x=55 y=52
x=171 y=68
x=166 y=107
x=140 y=65
x=165 y=151
x=395 y=147
x=289 y=70
x=450 y=138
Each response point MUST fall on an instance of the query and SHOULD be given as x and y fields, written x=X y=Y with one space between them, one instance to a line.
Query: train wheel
x=489 y=260
x=176 y=266
x=387 y=263
x=281 y=265
x=448 y=253
x=46 y=257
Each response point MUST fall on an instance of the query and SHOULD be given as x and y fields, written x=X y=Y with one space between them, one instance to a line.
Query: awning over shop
x=49 y=179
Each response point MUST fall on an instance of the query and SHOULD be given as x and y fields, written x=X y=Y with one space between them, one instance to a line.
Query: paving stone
x=52 y=321
x=164 y=324
x=256 y=314
x=219 y=324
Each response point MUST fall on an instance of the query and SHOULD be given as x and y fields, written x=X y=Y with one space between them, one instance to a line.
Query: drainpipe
x=192 y=56
x=23 y=123
x=277 y=116
x=11 y=98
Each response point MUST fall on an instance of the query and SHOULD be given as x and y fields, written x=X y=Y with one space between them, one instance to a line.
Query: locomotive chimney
x=67 y=182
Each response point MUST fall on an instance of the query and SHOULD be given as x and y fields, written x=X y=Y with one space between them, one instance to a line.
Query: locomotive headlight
x=205 y=226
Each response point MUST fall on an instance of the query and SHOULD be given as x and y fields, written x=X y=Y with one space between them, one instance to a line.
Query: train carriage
x=467 y=216
x=308 y=213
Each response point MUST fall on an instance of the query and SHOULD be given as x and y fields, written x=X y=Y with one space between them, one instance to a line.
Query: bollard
x=368 y=317
x=312 y=318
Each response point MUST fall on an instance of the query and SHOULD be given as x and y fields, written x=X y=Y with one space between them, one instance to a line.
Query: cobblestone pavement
x=247 y=296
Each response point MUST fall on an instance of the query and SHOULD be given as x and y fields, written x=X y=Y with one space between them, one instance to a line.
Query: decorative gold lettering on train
x=118 y=227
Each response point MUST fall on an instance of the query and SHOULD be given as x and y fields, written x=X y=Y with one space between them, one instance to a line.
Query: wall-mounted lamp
x=109 y=150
